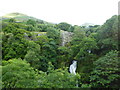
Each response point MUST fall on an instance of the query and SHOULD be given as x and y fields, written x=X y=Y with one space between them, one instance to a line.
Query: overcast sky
x=75 y=12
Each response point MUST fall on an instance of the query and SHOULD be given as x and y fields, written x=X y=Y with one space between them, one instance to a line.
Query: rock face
x=65 y=37
x=34 y=35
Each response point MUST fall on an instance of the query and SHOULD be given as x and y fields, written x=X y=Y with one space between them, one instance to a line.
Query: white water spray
x=72 y=69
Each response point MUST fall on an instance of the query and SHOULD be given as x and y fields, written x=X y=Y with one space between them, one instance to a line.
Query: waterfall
x=72 y=69
x=66 y=38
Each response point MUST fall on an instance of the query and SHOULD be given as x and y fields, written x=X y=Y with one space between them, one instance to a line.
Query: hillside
x=40 y=55
x=20 y=17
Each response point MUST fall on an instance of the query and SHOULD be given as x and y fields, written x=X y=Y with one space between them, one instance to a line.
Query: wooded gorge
x=37 y=54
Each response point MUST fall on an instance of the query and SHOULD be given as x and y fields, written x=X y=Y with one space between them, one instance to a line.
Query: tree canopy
x=34 y=56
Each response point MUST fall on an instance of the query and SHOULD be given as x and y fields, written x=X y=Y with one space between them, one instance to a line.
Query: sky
x=75 y=12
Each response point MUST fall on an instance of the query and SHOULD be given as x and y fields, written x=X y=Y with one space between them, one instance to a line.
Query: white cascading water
x=73 y=68
x=66 y=37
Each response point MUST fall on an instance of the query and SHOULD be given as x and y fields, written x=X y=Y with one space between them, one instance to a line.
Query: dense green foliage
x=106 y=71
x=18 y=74
x=65 y=26
x=33 y=56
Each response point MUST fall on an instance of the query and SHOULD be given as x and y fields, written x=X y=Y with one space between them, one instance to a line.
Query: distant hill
x=87 y=24
x=20 y=17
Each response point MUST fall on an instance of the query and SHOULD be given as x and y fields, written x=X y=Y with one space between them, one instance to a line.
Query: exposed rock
x=65 y=36
x=34 y=35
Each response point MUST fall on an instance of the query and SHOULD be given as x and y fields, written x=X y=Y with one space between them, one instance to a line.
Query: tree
x=0 y=77
x=12 y=20
x=65 y=26
x=13 y=46
x=48 y=51
x=13 y=42
x=30 y=28
x=91 y=29
x=31 y=22
x=18 y=74
x=86 y=47
x=108 y=36
x=78 y=35
x=106 y=71
x=64 y=56
x=83 y=48
x=53 y=34
x=59 y=78
x=33 y=53
x=42 y=27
